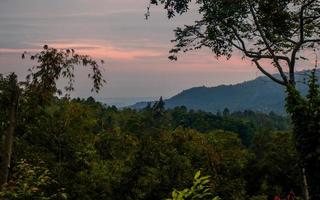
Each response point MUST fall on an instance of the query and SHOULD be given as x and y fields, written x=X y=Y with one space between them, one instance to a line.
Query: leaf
x=197 y=175
x=64 y=195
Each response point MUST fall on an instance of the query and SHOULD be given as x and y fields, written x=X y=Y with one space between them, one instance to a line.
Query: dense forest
x=81 y=149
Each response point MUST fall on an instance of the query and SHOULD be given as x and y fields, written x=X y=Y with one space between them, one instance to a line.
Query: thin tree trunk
x=305 y=185
x=9 y=132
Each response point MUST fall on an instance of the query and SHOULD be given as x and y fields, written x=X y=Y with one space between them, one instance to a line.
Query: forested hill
x=260 y=94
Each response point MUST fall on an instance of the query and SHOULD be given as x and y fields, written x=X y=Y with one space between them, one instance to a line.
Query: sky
x=135 y=50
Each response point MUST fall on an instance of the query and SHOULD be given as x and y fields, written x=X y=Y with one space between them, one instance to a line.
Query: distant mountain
x=260 y=94
x=121 y=102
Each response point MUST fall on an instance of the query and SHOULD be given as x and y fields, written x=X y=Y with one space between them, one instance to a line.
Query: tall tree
x=278 y=32
x=40 y=88
x=9 y=96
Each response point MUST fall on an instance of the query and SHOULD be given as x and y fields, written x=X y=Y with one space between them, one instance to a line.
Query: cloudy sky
x=135 y=50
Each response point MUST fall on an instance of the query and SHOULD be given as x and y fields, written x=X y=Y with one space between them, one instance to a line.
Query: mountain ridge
x=260 y=94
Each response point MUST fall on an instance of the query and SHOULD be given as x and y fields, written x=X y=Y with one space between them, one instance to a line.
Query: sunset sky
x=135 y=50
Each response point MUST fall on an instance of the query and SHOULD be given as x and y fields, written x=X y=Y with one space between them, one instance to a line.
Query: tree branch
x=301 y=41
x=274 y=57
x=268 y=74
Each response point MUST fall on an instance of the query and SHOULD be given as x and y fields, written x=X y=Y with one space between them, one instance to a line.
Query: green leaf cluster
x=198 y=191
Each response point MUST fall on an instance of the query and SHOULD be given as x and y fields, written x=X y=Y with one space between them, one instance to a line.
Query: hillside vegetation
x=80 y=149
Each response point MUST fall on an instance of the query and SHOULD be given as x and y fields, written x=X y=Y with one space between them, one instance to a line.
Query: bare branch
x=311 y=40
x=267 y=73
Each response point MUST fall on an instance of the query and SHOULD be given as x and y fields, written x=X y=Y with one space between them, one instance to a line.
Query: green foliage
x=32 y=182
x=98 y=152
x=200 y=190
x=273 y=153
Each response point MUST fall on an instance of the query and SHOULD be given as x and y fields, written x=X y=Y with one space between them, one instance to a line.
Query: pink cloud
x=96 y=49
x=17 y=50
x=99 y=49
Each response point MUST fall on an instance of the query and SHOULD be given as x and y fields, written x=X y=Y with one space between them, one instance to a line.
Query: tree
x=10 y=92
x=39 y=89
x=274 y=31
x=262 y=30
x=305 y=116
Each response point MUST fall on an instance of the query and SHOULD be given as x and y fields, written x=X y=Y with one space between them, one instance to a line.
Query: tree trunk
x=305 y=185
x=9 y=132
x=305 y=117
